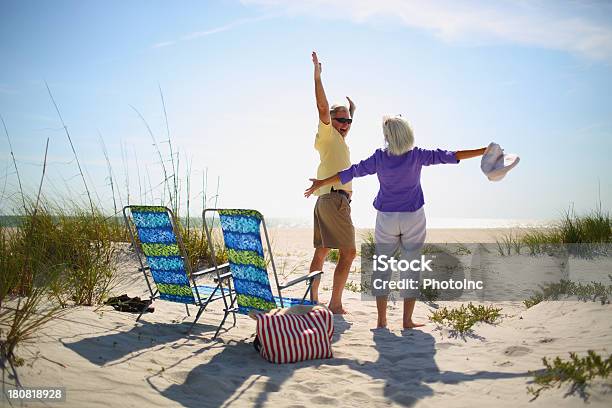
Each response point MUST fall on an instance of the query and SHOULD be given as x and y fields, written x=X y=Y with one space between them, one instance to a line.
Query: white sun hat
x=495 y=164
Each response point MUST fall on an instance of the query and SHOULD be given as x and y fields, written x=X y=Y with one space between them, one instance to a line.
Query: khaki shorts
x=333 y=227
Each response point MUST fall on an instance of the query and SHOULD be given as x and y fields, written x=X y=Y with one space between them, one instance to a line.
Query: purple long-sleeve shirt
x=399 y=176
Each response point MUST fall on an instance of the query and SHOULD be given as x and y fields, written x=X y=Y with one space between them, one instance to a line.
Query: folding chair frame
x=218 y=269
x=233 y=309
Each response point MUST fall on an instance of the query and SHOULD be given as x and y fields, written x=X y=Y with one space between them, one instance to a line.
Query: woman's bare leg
x=408 y=309
x=381 y=306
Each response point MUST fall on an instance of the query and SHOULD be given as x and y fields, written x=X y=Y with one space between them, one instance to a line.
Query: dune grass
x=198 y=249
x=56 y=255
x=591 y=228
x=578 y=372
x=593 y=291
x=368 y=245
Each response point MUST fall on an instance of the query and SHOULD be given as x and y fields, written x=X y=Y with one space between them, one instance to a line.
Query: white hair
x=335 y=108
x=398 y=135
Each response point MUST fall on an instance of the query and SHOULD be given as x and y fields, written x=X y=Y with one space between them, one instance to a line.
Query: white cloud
x=163 y=44
x=215 y=30
x=229 y=26
x=582 y=28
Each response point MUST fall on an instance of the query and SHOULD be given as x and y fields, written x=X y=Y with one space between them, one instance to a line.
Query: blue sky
x=535 y=77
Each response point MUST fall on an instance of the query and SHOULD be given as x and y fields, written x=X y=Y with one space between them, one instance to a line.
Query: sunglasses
x=344 y=120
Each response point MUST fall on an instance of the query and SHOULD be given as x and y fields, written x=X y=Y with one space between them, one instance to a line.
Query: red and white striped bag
x=295 y=334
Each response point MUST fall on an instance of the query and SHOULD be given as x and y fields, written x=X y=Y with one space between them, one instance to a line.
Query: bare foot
x=337 y=309
x=411 y=325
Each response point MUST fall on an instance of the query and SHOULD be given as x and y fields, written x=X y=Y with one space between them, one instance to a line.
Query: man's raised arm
x=322 y=104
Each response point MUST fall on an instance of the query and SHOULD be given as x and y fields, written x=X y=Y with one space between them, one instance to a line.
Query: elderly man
x=333 y=227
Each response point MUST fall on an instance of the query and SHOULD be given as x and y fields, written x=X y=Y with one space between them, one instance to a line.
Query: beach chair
x=162 y=257
x=248 y=269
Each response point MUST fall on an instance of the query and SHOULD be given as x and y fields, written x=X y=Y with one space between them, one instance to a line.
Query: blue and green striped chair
x=247 y=264
x=162 y=256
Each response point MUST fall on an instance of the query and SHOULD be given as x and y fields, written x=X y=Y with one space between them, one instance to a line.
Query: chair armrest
x=223 y=276
x=310 y=276
x=221 y=269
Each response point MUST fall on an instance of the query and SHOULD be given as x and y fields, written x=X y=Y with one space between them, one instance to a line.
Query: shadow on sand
x=405 y=368
x=112 y=349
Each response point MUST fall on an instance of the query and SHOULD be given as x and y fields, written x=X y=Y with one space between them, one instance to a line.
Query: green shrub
x=355 y=287
x=462 y=319
x=578 y=371
x=429 y=294
x=333 y=255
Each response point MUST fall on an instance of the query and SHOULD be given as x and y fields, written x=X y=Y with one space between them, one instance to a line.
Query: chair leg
x=196 y=319
x=307 y=291
x=221 y=325
x=229 y=310
x=187 y=309
x=144 y=309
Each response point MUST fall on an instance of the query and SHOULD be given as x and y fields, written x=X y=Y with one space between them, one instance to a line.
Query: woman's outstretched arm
x=468 y=154
x=317 y=184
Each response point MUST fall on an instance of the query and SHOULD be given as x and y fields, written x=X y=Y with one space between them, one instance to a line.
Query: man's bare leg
x=381 y=306
x=408 y=309
x=345 y=259
x=317 y=265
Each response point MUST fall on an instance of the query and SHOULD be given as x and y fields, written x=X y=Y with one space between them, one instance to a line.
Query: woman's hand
x=316 y=184
x=468 y=154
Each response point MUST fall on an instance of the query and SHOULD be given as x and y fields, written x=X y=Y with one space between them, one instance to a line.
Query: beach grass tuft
x=198 y=249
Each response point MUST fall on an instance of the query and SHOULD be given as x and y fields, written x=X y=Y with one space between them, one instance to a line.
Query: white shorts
x=403 y=234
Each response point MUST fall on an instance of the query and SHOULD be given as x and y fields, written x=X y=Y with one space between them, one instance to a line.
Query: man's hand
x=317 y=65
x=316 y=184
x=352 y=106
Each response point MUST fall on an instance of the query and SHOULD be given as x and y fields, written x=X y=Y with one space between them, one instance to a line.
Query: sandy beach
x=104 y=358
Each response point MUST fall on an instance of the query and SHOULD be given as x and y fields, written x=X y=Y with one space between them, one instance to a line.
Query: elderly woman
x=400 y=221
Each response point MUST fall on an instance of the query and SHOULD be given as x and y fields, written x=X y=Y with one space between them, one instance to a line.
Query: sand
x=104 y=358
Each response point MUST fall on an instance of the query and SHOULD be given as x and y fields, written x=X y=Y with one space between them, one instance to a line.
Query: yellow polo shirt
x=335 y=156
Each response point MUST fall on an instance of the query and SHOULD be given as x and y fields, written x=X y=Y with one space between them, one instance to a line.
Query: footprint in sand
x=322 y=400
x=443 y=346
x=517 y=351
